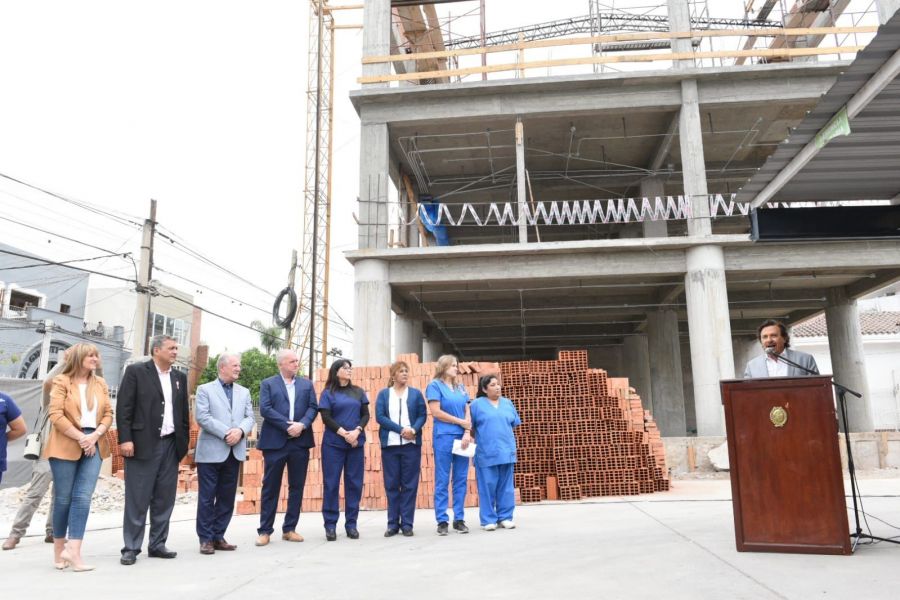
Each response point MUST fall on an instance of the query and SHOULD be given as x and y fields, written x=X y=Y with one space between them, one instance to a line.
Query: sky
x=200 y=105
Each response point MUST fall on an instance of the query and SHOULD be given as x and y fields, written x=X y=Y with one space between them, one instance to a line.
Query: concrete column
x=710 y=334
x=407 y=335
x=886 y=9
x=665 y=372
x=636 y=367
x=374 y=179
x=693 y=164
x=652 y=188
x=432 y=348
x=371 y=313
x=680 y=20
x=376 y=37
x=847 y=359
x=520 y=181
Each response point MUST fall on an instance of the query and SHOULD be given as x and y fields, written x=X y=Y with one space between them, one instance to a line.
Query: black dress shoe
x=407 y=532
x=162 y=552
x=391 y=532
x=129 y=557
x=330 y=535
x=353 y=534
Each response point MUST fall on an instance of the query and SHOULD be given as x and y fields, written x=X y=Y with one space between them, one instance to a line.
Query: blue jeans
x=445 y=462
x=73 y=487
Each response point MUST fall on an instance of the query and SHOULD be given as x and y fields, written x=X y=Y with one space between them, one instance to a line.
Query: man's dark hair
x=780 y=325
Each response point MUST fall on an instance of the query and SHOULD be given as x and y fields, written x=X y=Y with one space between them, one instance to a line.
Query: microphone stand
x=842 y=391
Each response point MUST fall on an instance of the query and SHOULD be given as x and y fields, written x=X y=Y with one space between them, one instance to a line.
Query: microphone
x=770 y=350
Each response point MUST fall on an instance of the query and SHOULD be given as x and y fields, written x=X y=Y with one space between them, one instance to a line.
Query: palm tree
x=270 y=338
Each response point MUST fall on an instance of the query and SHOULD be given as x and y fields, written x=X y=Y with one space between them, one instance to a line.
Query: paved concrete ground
x=674 y=545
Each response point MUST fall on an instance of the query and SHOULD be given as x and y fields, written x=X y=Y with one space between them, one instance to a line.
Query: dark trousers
x=401 y=466
x=296 y=458
x=215 y=501
x=150 y=484
x=352 y=462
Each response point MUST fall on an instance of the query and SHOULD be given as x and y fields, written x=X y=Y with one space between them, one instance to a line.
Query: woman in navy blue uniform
x=345 y=411
x=448 y=401
x=493 y=420
x=401 y=414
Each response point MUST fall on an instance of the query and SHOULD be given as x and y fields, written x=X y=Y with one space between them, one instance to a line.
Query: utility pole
x=45 y=349
x=142 y=325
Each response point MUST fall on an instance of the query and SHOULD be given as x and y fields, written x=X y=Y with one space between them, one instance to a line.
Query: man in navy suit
x=288 y=407
x=224 y=412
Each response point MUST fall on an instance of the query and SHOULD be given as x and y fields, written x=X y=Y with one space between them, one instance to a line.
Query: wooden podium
x=786 y=478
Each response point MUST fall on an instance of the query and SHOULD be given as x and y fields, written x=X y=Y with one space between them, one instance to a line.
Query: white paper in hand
x=458 y=449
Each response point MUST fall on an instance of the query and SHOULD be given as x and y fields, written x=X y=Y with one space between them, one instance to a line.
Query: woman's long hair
x=75 y=356
x=333 y=384
x=443 y=363
x=72 y=362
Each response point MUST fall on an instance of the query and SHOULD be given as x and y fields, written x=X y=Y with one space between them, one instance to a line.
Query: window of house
x=65 y=309
x=175 y=328
x=20 y=301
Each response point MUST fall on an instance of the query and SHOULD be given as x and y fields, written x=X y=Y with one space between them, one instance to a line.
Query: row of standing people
x=288 y=406
x=152 y=419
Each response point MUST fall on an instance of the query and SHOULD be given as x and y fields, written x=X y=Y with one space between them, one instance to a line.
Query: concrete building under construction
x=516 y=215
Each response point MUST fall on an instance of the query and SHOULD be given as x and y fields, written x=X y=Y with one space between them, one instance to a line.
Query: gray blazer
x=756 y=368
x=216 y=415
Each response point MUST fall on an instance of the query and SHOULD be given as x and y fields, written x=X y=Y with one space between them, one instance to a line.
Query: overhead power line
x=78 y=203
x=61 y=264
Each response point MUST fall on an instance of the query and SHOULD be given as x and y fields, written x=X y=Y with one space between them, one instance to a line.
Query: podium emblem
x=778 y=415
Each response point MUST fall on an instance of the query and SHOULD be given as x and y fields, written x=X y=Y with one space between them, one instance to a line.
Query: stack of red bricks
x=372 y=380
x=583 y=434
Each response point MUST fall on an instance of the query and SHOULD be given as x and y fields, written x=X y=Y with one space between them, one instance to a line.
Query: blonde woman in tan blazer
x=80 y=414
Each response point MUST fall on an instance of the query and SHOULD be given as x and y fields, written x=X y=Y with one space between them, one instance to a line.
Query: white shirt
x=776 y=368
x=88 y=415
x=165 y=380
x=292 y=393
x=398 y=411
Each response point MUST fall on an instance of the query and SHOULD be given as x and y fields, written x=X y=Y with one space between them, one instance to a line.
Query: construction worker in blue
x=345 y=411
x=493 y=420
x=449 y=405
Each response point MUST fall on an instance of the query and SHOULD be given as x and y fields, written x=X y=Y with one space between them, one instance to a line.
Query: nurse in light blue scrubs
x=493 y=420
x=448 y=401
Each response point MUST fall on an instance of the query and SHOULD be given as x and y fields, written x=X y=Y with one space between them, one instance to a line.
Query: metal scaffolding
x=311 y=326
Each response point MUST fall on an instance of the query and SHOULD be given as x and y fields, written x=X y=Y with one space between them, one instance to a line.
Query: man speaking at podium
x=775 y=342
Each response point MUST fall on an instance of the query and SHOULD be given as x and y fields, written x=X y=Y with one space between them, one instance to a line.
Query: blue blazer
x=274 y=406
x=417 y=415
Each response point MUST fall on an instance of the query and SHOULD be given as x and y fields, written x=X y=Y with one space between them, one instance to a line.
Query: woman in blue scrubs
x=449 y=405
x=345 y=411
x=401 y=414
x=493 y=420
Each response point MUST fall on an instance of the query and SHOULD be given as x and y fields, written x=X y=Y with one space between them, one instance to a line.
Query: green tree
x=255 y=366
x=270 y=338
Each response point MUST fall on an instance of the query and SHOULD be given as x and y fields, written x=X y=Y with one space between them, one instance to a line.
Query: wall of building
x=882 y=356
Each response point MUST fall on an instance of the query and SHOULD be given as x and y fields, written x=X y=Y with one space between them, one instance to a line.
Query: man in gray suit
x=225 y=414
x=775 y=342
